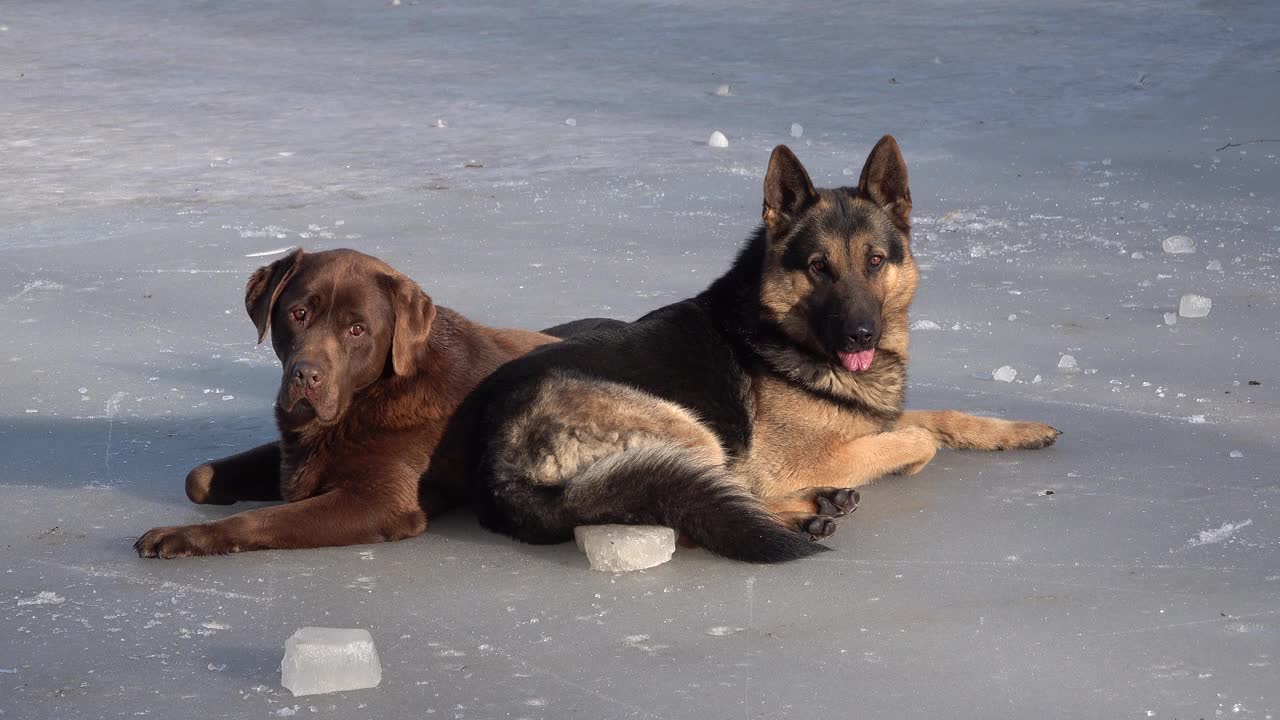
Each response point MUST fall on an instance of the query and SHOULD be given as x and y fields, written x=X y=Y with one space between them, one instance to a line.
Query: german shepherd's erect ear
x=264 y=287
x=884 y=182
x=788 y=191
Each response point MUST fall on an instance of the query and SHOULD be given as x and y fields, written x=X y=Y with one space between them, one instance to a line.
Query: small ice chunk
x=1068 y=362
x=797 y=130
x=324 y=660
x=1236 y=454
x=619 y=548
x=1012 y=317
x=1194 y=306
x=850 y=172
x=1037 y=380
x=1138 y=255
x=1179 y=245
x=571 y=122
x=1214 y=266
x=718 y=140
x=1004 y=373
x=724 y=90
x=925 y=325
x=1170 y=318
x=440 y=123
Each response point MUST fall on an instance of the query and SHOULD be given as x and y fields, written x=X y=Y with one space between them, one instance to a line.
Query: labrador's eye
x=299 y=314
x=357 y=330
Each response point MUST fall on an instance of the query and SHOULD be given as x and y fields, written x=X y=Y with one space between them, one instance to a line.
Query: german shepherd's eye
x=357 y=330
x=818 y=266
x=875 y=260
x=298 y=314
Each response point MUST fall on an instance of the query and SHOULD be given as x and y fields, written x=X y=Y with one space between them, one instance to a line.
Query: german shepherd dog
x=742 y=417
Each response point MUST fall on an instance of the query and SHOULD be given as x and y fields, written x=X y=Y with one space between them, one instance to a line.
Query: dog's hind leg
x=250 y=475
x=664 y=484
x=590 y=453
x=961 y=431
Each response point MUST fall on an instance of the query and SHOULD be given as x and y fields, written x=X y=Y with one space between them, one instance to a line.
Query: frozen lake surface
x=151 y=153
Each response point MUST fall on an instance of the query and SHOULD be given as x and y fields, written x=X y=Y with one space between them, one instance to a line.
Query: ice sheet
x=150 y=148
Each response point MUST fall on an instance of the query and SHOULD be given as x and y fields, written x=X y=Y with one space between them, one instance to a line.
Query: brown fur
x=355 y=445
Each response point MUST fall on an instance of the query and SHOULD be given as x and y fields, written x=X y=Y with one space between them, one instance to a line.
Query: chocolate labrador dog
x=373 y=370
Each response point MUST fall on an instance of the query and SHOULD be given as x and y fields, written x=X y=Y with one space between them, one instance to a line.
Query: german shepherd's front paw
x=835 y=502
x=817 y=527
x=1026 y=435
x=182 y=541
x=820 y=527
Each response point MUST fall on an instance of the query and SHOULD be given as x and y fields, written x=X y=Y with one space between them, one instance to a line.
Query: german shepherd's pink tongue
x=857 y=361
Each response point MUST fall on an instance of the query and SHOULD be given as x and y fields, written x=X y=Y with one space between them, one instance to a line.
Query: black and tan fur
x=743 y=417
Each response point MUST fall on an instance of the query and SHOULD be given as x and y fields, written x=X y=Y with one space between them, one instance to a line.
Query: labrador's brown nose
x=307 y=375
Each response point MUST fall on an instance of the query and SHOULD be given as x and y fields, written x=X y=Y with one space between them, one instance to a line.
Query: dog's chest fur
x=792 y=430
x=304 y=458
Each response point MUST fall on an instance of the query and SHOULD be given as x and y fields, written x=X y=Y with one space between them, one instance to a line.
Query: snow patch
x=1218 y=535
x=44 y=597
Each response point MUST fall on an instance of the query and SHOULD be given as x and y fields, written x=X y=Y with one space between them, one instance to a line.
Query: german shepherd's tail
x=667 y=485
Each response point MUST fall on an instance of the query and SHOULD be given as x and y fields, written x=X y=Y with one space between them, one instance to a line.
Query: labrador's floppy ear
x=884 y=182
x=788 y=191
x=414 y=314
x=264 y=287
